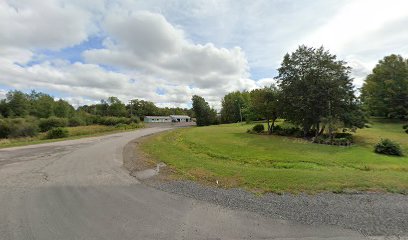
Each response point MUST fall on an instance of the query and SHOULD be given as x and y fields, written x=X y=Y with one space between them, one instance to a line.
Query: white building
x=167 y=119
x=180 y=118
x=157 y=119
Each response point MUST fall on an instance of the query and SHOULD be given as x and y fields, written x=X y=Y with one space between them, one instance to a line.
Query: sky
x=166 y=51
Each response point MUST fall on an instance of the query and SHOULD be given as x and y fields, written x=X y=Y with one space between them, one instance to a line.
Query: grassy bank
x=227 y=154
x=74 y=133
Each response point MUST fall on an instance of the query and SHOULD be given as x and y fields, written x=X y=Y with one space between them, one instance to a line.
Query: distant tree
x=316 y=89
x=102 y=108
x=143 y=108
x=18 y=103
x=265 y=102
x=42 y=105
x=63 y=109
x=116 y=107
x=385 y=91
x=4 y=108
x=233 y=105
x=204 y=114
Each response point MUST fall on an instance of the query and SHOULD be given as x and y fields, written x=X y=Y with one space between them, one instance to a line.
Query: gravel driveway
x=373 y=214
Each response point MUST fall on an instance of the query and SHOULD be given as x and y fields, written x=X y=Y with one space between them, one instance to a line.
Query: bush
x=258 y=128
x=24 y=129
x=289 y=131
x=76 y=121
x=406 y=128
x=5 y=128
x=113 y=121
x=388 y=147
x=340 y=139
x=347 y=136
x=58 y=132
x=52 y=122
x=18 y=127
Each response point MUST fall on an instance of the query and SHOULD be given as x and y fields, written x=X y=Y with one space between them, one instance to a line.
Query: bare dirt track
x=79 y=189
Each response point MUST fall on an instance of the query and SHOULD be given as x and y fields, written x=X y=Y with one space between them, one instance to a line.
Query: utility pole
x=131 y=108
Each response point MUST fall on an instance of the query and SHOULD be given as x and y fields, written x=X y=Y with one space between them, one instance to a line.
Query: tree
x=116 y=107
x=143 y=108
x=385 y=91
x=42 y=105
x=18 y=103
x=232 y=106
x=63 y=109
x=4 y=108
x=102 y=108
x=204 y=114
x=265 y=102
x=316 y=89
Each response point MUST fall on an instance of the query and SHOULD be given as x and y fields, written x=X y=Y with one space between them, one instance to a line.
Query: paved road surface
x=79 y=190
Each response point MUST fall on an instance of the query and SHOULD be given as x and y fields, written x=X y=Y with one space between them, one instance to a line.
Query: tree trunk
x=273 y=125
x=269 y=126
x=322 y=130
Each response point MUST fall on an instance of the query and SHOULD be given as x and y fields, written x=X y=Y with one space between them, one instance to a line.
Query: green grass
x=280 y=164
x=74 y=133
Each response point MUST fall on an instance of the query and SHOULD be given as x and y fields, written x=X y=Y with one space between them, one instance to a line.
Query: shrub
x=258 y=128
x=112 y=121
x=388 y=147
x=52 y=122
x=135 y=119
x=18 y=127
x=406 y=128
x=24 y=129
x=58 y=132
x=76 y=121
x=5 y=128
x=289 y=131
x=347 y=136
x=340 y=140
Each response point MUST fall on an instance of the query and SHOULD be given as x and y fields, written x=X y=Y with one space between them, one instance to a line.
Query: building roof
x=179 y=116
x=156 y=116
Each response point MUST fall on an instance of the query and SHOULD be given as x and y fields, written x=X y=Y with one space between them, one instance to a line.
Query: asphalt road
x=78 y=189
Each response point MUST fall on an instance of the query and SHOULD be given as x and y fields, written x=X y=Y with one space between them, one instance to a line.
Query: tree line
x=314 y=91
x=42 y=105
x=27 y=114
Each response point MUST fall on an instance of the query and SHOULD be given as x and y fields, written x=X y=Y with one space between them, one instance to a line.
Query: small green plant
x=405 y=127
x=258 y=128
x=388 y=147
x=58 y=132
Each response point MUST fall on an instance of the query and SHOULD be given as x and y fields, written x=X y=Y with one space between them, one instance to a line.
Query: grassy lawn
x=234 y=158
x=74 y=133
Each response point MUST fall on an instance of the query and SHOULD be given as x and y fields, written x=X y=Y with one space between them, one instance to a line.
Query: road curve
x=78 y=189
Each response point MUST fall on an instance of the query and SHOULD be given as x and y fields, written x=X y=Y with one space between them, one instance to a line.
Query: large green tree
x=385 y=91
x=63 y=109
x=204 y=114
x=232 y=106
x=116 y=107
x=42 y=104
x=317 y=91
x=143 y=108
x=18 y=104
x=265 y=102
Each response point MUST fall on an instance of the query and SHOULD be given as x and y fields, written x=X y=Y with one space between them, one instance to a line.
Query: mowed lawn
x=234 y=158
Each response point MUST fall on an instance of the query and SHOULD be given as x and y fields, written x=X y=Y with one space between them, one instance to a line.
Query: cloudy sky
x=166 y=51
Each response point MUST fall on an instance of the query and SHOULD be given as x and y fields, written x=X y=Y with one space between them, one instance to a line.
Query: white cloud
x=42 y=24
x=146 y=43
x=168 y=50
